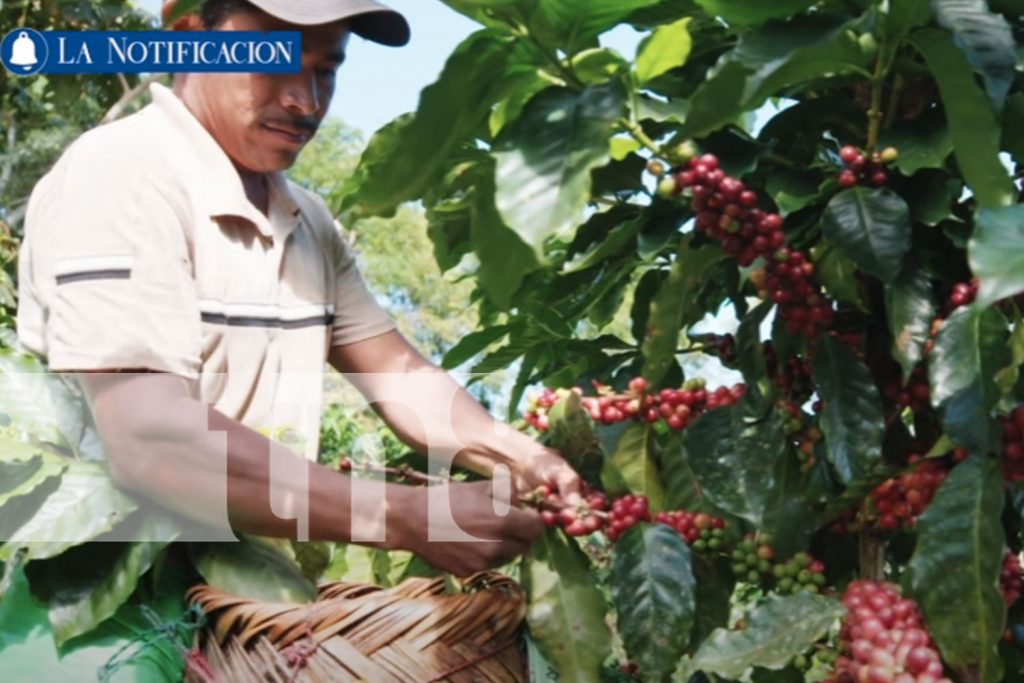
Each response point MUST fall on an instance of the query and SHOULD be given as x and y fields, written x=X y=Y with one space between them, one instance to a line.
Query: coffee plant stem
x=640 y=136
x=894 y=99
x=872 y=556
x=882 y=66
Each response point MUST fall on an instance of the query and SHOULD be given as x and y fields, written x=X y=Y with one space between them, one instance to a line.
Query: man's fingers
x=524 y=525
x=569 y=485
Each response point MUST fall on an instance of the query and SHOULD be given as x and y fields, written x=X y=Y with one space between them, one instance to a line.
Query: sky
x=377 y=83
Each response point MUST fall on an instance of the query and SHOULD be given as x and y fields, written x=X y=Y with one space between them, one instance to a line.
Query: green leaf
x=922 y=143
x=733 y=453
x=524 y=83
x=472 y=344
x=751 y=350
x=906 y=15
x=566 y=609
x=621 y=147
x=793 y=190
x=806 y=47
x=837 y=273
x=778 y=630
x=753 y=11
x=635 y=459
x=39 y=402
x=254 y=567
x=28 y=653
x=996 y=253
x=13 y=450
x=87 y=584
x=85 y=505
x=986 y=39
x=313 y=558
x=931 y=195
x=617 y=239
x=682 y=491
x=504 y=259
x=788 y=516
x=852 y=419
x=766 y=61
x=969 y=350
x=972 y=123
x=872 y=226
x=961 y=528
x=715 y=585
x=545 y=159
x=573 y=25
x=665 y=49
x=673 y=304
x=1013 y=126
x=598 y=65
x=495 y=13
x=404 y=160
x=911 y=309
x=653 y=591
x=571 y=433
x=19 y=478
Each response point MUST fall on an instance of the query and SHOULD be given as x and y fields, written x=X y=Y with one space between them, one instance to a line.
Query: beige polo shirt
x=142 y=251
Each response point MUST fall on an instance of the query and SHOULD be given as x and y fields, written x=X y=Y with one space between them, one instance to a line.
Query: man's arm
x=170 y=448
x=428 y=410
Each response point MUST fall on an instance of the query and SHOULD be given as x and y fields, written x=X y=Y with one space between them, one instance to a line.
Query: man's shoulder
x=134 y=138
x=121 y=156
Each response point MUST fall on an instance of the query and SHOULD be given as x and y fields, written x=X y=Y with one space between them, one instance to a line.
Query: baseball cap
x=369 y=19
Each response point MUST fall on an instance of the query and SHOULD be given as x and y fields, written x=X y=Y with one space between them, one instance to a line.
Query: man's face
x=262 y=121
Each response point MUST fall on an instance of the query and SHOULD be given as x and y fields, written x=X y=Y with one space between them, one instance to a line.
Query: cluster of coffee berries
x=1013 y=445
x=896 y=503
x=727 y=213
x=753 y=558
x=677 y=407
x=916 y=395
x=883 y=639
x=753 y=561
x=800 y=573
x=725 y=347
x=793 y=377
x=585 y=517
x=701 y=531
x=860 y=170
x=802 y=433
x=626 y=513
x=963 y=294
x=1011 y=578
x=680 y=407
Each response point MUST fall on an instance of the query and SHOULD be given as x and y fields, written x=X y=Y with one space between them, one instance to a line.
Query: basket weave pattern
x=415 y=632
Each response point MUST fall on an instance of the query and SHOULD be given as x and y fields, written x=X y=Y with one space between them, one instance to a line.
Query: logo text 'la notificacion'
x=25 y=51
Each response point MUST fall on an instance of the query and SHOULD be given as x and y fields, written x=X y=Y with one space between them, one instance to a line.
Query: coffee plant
x=765 y=273
x=760 y=283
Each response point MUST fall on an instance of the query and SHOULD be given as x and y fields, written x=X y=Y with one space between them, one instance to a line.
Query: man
x=199 y=293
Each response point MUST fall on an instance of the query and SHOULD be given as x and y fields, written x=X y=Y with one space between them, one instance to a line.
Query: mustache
x=301 y=124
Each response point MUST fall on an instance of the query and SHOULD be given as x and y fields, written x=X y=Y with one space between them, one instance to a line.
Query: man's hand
x=504 y=537
x=549 y=468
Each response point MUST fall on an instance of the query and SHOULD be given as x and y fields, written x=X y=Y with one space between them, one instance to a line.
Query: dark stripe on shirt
x=246 y=321
x=108 y=274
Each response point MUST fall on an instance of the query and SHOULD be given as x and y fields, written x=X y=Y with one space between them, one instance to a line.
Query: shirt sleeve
x=109 y=276
x=357 y=315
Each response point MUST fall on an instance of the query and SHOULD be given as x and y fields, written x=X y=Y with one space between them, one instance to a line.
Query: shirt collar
x=223 y=192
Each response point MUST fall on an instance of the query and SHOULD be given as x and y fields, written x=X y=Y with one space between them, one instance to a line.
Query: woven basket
x=413 y=633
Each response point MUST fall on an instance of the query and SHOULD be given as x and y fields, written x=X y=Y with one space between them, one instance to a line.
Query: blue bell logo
x=23 y=51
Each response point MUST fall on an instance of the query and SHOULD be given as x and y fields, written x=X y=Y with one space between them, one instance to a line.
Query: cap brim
x=386 y=27
x=369 y=19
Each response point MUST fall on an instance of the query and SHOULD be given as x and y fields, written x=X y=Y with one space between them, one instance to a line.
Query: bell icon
x=23 y=52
